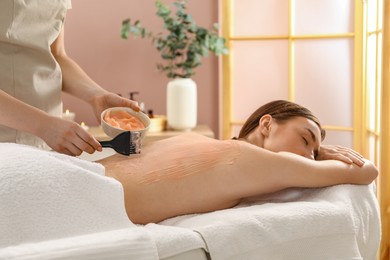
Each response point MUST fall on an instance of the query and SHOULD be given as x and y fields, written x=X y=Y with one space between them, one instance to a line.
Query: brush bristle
x=132 y=147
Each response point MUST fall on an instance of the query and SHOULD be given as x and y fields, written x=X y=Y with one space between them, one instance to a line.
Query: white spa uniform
x=28 y=70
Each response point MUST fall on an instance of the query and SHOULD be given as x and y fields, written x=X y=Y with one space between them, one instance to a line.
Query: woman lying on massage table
x=278 y=147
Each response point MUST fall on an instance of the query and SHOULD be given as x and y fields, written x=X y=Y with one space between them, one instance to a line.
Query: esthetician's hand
x=67 y=137
x=336 y=152
x=108 y=99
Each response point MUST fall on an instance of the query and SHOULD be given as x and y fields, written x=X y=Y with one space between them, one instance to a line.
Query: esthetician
x=34 y=69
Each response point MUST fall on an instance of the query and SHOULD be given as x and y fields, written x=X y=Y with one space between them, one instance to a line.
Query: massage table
x=53 y=206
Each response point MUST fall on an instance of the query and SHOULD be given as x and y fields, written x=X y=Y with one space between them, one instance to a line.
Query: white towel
x=45 y=196
x=172 y=241
x=127 y=244
x=338 y=222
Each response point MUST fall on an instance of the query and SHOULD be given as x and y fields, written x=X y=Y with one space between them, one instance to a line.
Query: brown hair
x=280 y=110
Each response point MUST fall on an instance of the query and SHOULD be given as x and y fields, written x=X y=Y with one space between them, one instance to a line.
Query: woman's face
x=297 y=135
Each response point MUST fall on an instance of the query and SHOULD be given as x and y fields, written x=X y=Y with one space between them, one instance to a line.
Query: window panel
x=380 y=14
x=260 y=17
x=371 y=148
x=324 y=79
x=324 y=17
x=371 y=80
x=379 y=78
x=372 y=15
x=260 y=74
x=378 y=152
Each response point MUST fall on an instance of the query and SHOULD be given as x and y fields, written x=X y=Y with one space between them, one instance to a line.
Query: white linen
x=131 y=243
x=46 y=195
x=338 y=222
x=54 y=206
x=172 y=241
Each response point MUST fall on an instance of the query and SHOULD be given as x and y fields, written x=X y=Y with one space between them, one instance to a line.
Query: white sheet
x=339 y=222
x=47 y=196
x=130 y=243
x=171 y=241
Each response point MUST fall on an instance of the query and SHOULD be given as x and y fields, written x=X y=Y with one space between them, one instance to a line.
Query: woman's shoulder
x=187 y=140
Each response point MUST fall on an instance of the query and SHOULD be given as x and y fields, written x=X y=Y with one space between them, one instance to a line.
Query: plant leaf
x=125 y=29
x=184 y=43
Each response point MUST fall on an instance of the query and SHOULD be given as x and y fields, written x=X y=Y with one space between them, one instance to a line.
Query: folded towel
x=45 y=195
x=338 y=222
x=129 y=243
x=172 y=241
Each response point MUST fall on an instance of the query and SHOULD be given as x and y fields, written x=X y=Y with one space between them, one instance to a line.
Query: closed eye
x=305 y=140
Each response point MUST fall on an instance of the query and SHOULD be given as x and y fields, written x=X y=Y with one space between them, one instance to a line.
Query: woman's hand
x=344 y=154
x=107 y=100
x=67 y=137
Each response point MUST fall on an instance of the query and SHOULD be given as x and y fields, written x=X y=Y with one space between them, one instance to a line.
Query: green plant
x=185 y=44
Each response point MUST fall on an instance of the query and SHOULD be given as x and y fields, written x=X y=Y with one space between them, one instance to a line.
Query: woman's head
x=280 y=125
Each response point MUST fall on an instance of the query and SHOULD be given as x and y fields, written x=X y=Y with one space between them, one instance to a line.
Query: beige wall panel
x=260 y=75
x=265 y=17
x=236 y=130
x=324 y=17
x=339 y=138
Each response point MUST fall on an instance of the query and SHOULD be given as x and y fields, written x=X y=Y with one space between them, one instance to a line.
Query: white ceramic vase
x=181 y=104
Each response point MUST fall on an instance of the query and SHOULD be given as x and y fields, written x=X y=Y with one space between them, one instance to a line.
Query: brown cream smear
x=178 y=157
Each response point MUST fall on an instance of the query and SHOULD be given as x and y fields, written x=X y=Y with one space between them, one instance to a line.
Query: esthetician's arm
x=77 y=83
x=61 y=135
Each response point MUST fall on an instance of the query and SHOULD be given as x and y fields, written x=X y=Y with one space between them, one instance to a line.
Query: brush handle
x=106 y=144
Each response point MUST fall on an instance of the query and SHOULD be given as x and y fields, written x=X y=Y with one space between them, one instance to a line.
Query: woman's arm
x=77 y=83
x=267 y=171
x=61 y=135
x=19 y=115
x=329 y=172
x=336 y=152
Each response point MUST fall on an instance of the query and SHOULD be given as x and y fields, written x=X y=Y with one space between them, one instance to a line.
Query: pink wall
x=93 y=40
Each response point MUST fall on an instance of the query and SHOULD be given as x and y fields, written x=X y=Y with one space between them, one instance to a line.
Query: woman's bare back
x=174 y=176
x=191 y=173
